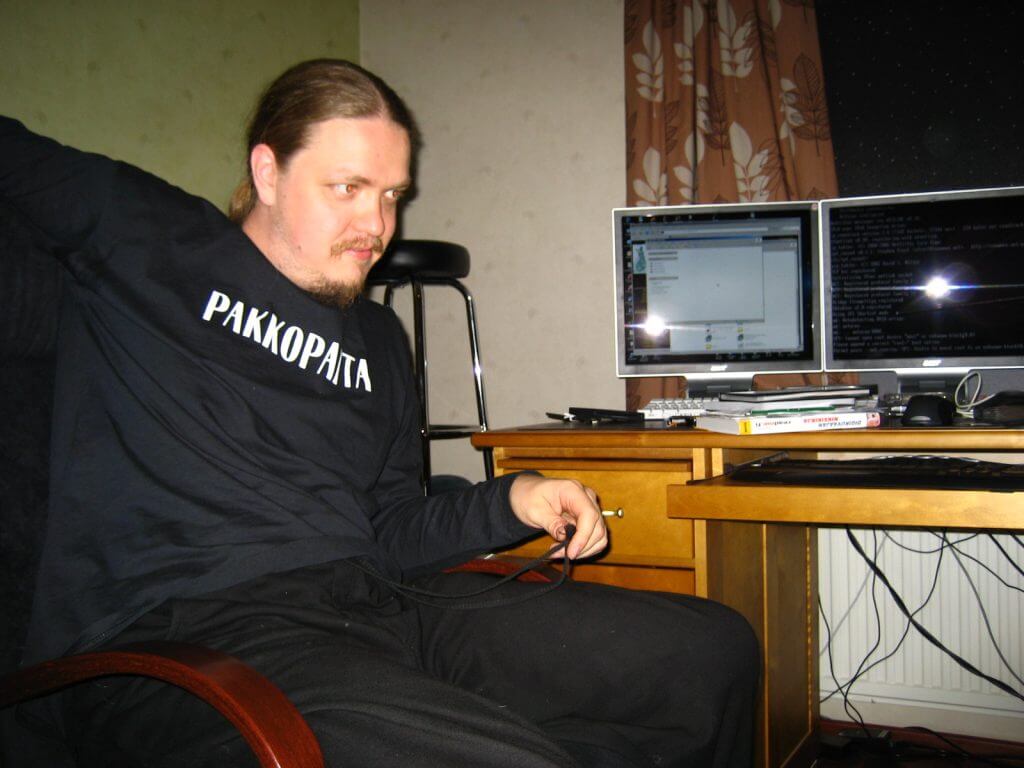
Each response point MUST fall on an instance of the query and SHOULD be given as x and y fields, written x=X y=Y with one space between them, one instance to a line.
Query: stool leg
x=474 y=346
x=420 y=341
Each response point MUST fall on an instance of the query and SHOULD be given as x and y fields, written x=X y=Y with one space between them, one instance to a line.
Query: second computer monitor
x=927 y=285
x=716 y=293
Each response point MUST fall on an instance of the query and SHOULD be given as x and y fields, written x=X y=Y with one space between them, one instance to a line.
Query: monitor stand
x=929 y=383
x=907 y=383
x=713 y=387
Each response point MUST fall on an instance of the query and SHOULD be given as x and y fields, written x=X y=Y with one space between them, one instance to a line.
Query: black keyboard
x=885 y=472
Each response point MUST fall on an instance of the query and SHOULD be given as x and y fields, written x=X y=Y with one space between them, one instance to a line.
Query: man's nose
x=372 y=218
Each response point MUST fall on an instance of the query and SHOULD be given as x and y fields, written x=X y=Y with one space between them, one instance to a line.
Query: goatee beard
x=343 y=295
x=334 y=294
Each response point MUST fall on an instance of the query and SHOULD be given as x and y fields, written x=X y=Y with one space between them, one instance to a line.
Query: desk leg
x=769 y=573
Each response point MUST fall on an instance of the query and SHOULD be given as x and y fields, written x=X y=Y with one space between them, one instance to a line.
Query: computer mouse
x=1004 y=408
x=928 y=411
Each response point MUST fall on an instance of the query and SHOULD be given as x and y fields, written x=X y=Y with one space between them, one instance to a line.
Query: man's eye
x=344 y=189
x=395 y=194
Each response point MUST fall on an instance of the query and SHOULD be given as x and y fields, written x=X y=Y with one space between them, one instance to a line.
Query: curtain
x=725 y=102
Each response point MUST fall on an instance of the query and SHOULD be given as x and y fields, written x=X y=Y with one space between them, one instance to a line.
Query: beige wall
x=164 y=85
x=521 y=107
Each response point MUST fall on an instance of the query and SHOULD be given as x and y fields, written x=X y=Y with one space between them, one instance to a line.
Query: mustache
x=374 y=244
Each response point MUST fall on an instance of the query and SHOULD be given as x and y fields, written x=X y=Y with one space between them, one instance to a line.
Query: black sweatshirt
x=213 y=423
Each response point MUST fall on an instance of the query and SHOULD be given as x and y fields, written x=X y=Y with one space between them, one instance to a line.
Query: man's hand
x=551 y=504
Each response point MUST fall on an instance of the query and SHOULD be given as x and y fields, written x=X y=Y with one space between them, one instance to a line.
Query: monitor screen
x=924 y=284
x=716 y=293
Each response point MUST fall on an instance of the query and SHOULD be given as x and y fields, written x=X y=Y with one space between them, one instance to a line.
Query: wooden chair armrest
x=264 y=716
x=503 y=565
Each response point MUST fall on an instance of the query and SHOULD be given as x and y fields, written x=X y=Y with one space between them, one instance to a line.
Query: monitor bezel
x=904 y=367
x=739 y=371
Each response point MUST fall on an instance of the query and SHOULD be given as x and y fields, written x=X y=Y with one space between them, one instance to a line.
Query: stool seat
x=423 y=260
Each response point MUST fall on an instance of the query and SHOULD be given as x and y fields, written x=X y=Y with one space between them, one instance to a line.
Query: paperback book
x=811 y=421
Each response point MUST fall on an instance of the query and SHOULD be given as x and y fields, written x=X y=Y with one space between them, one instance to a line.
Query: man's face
x=328 y=215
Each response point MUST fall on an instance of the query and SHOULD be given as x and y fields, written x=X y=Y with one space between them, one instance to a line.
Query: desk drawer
x=644 y=535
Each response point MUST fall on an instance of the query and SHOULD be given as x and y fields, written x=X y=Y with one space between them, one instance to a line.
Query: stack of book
x=794 y=409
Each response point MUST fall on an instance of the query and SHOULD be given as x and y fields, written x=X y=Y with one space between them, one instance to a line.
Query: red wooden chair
x=268 y=721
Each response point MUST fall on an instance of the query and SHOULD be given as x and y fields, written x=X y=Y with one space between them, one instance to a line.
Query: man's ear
x=263 y=165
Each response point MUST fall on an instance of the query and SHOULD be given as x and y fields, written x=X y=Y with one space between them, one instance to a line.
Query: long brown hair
x=306 y=94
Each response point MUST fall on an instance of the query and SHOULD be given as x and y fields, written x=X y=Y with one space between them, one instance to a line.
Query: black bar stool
x=420 y=263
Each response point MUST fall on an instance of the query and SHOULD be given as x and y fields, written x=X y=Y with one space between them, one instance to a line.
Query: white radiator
x=919 y=675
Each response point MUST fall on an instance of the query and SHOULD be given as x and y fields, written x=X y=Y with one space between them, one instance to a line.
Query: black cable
x=437 y=599
x=906 y=629
x=903 y=751
x=938 y=549
x=856 y=596
x=952 y=545
x=908 y=548
x=984 y=614
x=1006 y=554
x=924 y=631
x=971 y=557
x=831 y=665
x=844 y=689
x=847 y=704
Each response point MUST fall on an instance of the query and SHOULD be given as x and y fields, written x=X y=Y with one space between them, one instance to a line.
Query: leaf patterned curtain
x=725 y=102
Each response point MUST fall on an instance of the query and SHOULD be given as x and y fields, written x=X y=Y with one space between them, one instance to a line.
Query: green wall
x=164 y=84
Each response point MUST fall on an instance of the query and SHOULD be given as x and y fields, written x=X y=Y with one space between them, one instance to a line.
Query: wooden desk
x=752 y=547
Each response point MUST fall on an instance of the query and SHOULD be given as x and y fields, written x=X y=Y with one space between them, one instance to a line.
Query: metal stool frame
x=441 y=431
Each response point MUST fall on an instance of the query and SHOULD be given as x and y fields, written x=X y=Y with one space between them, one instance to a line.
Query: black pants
x=582 y=675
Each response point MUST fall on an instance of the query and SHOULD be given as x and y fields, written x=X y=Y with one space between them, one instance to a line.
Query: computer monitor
x=927 y=286
x=716 y=293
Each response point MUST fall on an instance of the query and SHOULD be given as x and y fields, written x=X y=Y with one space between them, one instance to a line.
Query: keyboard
x=943 y=472
x=677 y=408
